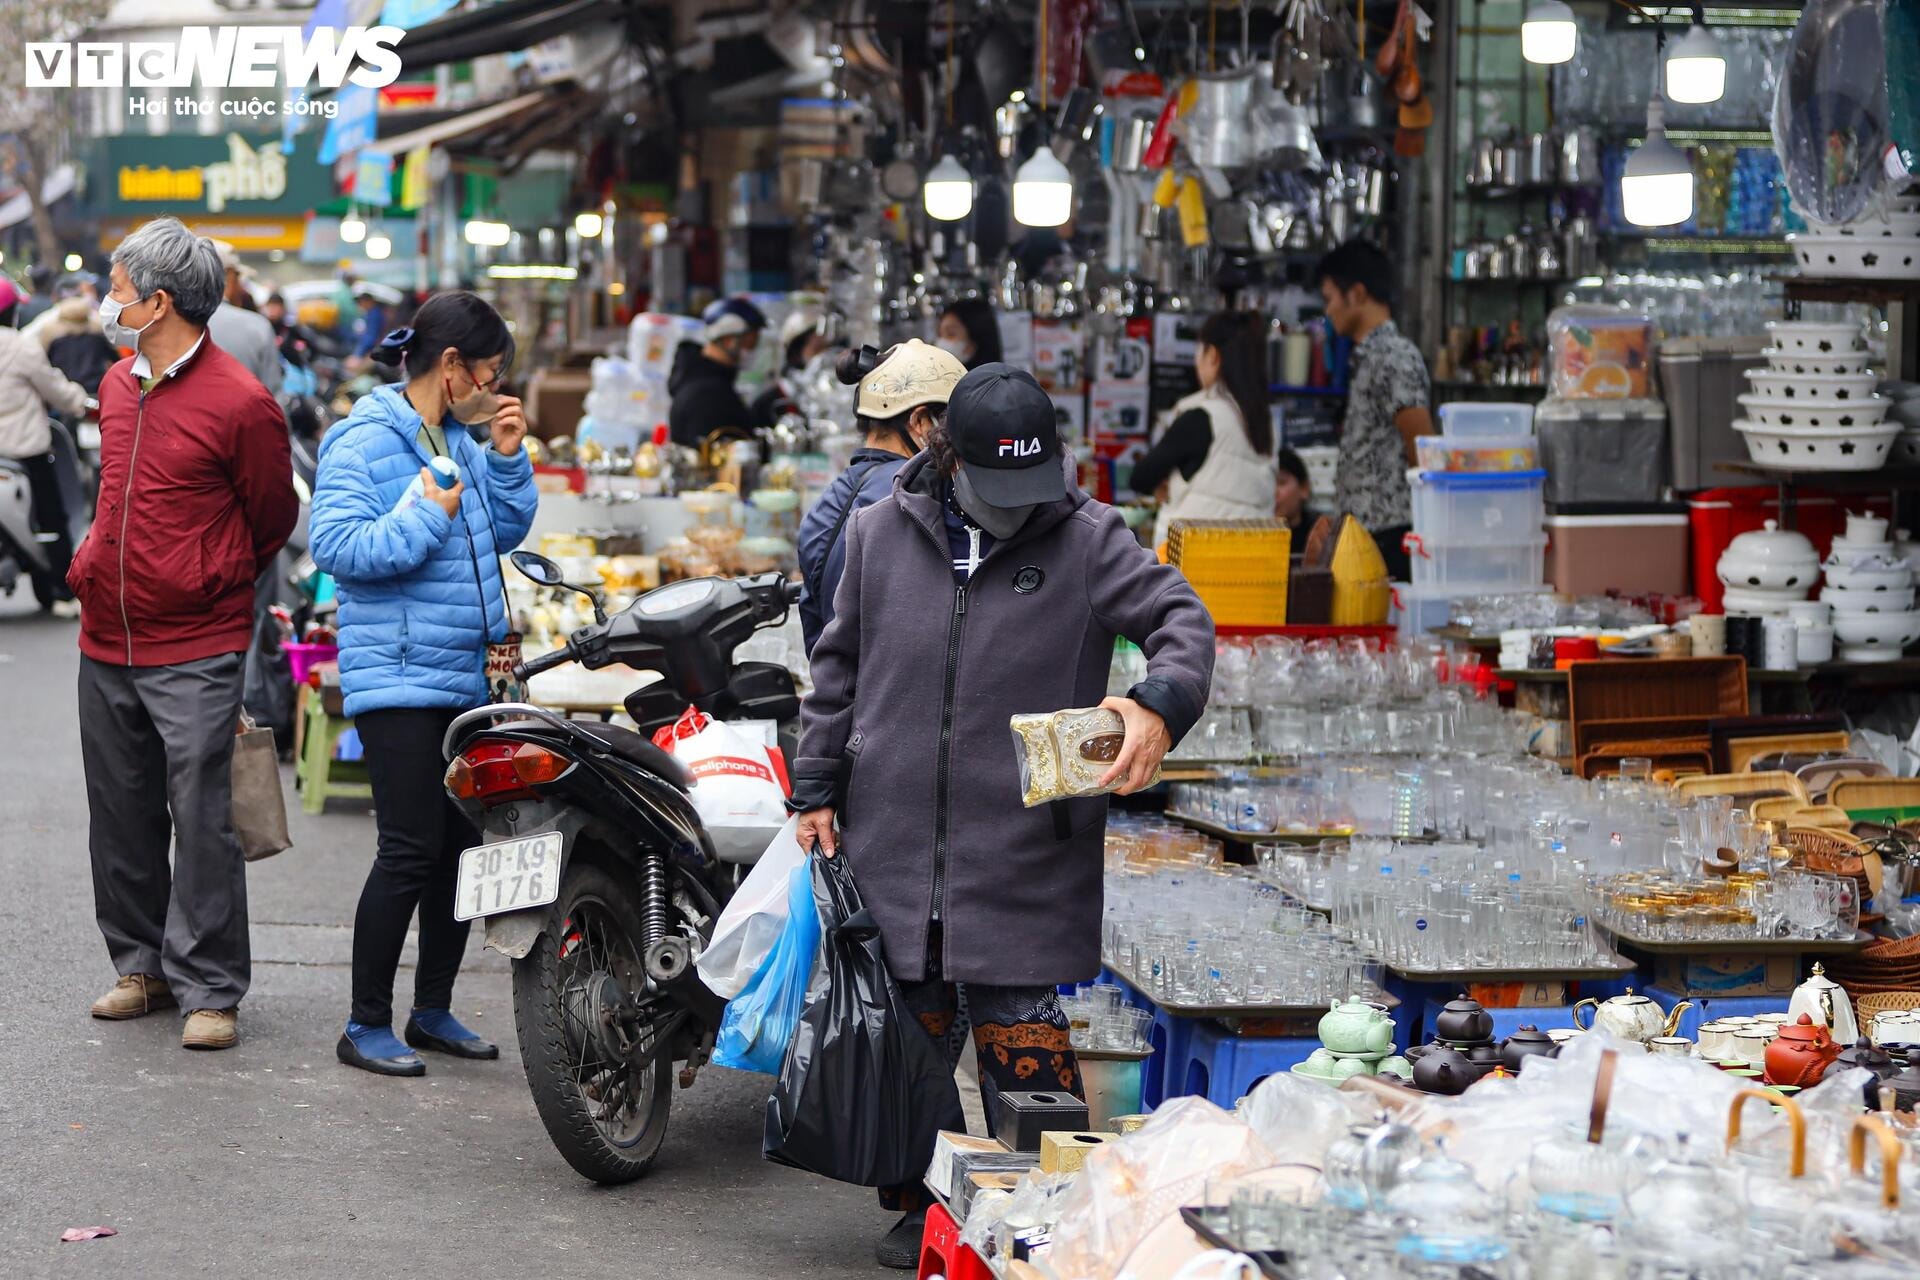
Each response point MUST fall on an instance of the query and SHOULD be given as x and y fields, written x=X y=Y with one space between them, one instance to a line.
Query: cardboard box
x=1067 y=1152
x=555 y=400
x=1748 y=974
x=944 y=1172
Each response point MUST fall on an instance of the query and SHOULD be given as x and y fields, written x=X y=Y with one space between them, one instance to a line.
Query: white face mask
x=119 y=334
x=958 y=350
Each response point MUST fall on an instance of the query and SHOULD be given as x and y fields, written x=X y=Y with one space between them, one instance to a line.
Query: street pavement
x=274 y=1160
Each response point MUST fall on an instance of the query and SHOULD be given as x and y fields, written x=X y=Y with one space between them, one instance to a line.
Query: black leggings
x=421 y=834
x=50 y=516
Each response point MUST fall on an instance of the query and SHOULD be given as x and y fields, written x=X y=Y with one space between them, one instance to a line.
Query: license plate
x=512 y=875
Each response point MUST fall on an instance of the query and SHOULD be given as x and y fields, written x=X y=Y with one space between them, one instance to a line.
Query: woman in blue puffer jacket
x=420 y=600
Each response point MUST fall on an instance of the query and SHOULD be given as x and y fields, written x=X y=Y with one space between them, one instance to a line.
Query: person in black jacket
x=704 y=399
x=902 y=396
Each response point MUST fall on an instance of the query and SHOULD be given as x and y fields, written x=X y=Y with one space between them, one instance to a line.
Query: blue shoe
x=439 y=1031
x=376 y=1049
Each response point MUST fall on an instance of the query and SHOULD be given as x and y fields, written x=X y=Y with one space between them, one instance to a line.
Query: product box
x=1067 y=1152
x=950 y=1151
x=1600 y=548
x=1748 y=974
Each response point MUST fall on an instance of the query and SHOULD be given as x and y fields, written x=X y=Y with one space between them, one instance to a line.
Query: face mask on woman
x=958 y=350
x=474 y=410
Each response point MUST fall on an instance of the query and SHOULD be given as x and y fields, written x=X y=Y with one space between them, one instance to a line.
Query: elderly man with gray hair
x=196 y=497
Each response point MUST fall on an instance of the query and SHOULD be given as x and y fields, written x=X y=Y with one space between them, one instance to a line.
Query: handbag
x=259 y=805
x=503 y=656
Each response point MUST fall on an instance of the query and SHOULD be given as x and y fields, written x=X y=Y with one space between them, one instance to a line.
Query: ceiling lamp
x=1656 y=190
x=1696 y=69
x=378 y=247
x=588 y=225
x=481 y=231
x=948 y=192
x=1547 y=33
x=1042 y=191
x=353 y=229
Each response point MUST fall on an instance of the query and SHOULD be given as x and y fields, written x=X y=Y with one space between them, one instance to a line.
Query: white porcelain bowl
x=1815 y=336
x=1885 y=600
x=1760 y=601
x=1769 y=559
x=1817 y=449
x=1805 y=362
x=1895 y=222
x=1875 y=637
x=1883 y=572
x=1856 y=257
x=1812 y=386
x=1834 y=415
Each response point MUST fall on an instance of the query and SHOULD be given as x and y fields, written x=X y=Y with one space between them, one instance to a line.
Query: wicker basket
x=1869 y=1006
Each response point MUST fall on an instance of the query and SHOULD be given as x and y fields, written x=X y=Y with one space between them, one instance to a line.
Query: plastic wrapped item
x=1296 y=1118
x=1063 y=754
x=1598 y=353
x=759 y=1022
x=864 y=1090
x=1830 y=120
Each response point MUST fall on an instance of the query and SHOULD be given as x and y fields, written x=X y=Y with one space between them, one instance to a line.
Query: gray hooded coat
x=915 y=680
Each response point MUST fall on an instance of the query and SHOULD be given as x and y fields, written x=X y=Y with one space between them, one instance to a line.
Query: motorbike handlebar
x=545 y=662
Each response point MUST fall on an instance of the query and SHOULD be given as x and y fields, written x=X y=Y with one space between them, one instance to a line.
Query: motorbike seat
x=635 y=749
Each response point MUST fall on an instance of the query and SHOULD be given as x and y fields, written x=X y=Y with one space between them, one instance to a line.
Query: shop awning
x=58 y=186
x=500 y=28
x=507 y=132
x=460 y=126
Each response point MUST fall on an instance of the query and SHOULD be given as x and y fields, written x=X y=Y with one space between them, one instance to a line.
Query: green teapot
x=1357 y=1028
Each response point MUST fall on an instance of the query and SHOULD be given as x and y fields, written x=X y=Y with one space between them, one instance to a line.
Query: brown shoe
x=135 y=996
x=211 y=1029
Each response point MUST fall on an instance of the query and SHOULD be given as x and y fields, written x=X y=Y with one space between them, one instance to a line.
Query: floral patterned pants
x=1020 y=1041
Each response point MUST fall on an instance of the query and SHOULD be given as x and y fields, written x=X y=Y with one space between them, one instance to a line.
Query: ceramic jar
x=1801 y=1053
x=1769 y=565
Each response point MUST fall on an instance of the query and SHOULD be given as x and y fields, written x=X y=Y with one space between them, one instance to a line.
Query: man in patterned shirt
x=1386 y=397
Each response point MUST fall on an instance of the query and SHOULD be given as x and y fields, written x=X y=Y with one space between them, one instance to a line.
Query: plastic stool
x=1223 y=1068
x=1169 y=1038
x=1707 y=1008
x=942 y=1254
x=319 y=773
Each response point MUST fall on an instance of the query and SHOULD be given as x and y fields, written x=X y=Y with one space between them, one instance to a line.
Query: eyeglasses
x=489 y=384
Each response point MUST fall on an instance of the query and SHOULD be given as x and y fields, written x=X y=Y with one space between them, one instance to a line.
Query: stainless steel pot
x=1474 y=264
x=1580 y=157
x=1541 y=161
x=1483 y=163
x=1509 y=168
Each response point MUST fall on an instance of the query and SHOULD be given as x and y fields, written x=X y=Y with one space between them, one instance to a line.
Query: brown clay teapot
x=1527 y=1042
x=1444 y=1069
x=1464 y=1022
x=1801 y=1053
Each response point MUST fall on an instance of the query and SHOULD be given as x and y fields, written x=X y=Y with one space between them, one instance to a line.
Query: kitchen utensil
x=1835 y=415
x=1830 y=123
x=1770 y=558
x=1540 y=164
x=1630 y=1017
x=1580 y=156
x=1483 y=163
x=1817 y=448
x=1801 y=1053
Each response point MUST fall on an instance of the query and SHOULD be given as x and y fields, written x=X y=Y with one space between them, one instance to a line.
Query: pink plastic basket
x=303 y=658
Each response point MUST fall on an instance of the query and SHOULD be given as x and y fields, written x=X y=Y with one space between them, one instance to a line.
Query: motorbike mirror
x=537 y=567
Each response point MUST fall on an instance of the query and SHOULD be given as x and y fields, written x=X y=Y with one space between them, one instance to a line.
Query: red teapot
x=1801 y=1053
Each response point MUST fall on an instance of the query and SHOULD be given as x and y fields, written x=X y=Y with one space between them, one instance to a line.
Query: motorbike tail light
x=534 y=764
x=486 y=772
x=459 y=779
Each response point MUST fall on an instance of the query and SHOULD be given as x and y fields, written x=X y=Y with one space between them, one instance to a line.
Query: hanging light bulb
x=379 y=248
x=948 y=192
x=352 y=228
x=1547 y=33
x=1656 y=190
x=483 y=231
x=1696 y=69
x=589 y=224
x=1042 y=191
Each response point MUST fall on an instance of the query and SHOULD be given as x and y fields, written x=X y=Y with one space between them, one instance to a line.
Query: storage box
x=1589 y=554
x=1020 y=1118
x=958 y=1155
x=1625 y=699
x=1467 y=420
x=1417 y=611
x=1475 y=509
x=1492 y=453
x=1603 y=450
x=1067 y=1152
x=1745 y=974
x=1701 y=378
x=1476 y=570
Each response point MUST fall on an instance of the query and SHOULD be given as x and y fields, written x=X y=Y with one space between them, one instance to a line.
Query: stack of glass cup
x=1099 y=1019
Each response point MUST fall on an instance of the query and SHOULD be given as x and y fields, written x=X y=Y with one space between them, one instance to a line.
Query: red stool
x=942 y=1254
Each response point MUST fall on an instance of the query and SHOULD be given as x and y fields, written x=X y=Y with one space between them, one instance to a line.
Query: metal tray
x=1210 y=1225
x=1243 y=1012
x=1727 y=947
x=1459 y=976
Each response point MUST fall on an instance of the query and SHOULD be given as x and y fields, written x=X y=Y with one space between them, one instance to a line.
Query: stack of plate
x=1905 y=414
x=1870 y=586
x=1814 y=407
x=1883 y=245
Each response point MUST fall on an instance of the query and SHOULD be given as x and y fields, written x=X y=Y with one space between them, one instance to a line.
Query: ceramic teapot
x=1529 y=1041
x=1465 y=1022
x=1864 y=528
x=1801 y=1053
x=1445 y=1070
x=1630 y=1017
x=1868 y=1056
x=1356 y=1027
x=1769 y=559
x=1826 y=1002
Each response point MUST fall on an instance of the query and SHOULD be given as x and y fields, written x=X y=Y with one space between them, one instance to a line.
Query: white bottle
x=444 y=470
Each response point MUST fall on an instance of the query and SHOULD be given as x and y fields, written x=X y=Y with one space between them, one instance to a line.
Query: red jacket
x=196 y=498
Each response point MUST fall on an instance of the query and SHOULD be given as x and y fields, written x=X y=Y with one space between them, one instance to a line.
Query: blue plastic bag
x=759 y=1022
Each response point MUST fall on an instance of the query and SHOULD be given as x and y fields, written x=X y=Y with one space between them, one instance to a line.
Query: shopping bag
x=863 y=1089
x=259 y=806
x=755 y=915
x=735 y=783
x=266 y=681
x=759 y=1022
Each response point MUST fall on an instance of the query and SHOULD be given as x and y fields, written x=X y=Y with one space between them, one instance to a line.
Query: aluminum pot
x=1580 y=157
x=1483 y=163
x=1540 y=163
x=1499 y=265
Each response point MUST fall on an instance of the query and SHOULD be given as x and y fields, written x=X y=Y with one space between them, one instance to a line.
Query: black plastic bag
x=266 y=689
x=863 y=1088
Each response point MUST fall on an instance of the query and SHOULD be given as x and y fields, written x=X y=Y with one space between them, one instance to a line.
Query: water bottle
x=444 y=471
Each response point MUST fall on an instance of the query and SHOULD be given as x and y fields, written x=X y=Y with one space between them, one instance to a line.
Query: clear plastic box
x=1477 y=453
x=1477 y=570
x=1467 y=420
x=1480 y=509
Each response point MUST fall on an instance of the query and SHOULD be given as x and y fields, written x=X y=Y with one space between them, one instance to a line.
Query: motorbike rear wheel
x=605 y=1118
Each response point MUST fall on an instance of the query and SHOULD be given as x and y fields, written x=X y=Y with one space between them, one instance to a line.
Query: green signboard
x=229 y=174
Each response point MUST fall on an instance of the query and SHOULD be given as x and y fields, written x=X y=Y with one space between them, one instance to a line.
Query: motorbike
x=22 y=542
x=595 y=874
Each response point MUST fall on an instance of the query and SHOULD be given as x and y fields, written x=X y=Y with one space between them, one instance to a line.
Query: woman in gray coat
x=987 y=587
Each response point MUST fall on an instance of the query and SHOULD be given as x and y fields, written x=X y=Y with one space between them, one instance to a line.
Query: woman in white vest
x=1215 y=455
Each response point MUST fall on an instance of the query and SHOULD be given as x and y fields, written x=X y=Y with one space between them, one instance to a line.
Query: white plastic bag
x=736 y=781
x=744 y=934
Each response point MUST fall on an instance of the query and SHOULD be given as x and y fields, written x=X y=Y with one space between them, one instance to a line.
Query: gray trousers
x=158 y=747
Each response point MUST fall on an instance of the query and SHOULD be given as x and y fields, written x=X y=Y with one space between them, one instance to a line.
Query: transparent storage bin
x=1467 y=420
x=1467 y=569
x=1479 y=509
x=1477 y=453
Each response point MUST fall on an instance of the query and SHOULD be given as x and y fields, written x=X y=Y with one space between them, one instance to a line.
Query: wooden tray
x=1258 y=837
x=1244 y=1012
x=1773 y=783
x=1737 y=947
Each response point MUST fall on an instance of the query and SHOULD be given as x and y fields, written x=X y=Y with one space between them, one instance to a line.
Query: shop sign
x=354 y=123
x=248 y=235
x=188 y=173
x=373 y=179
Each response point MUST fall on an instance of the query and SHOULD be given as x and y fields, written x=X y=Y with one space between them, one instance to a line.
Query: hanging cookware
x=1499 y=265
x=1131 y=134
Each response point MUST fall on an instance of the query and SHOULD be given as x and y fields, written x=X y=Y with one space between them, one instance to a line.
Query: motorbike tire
x=540 y=1016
